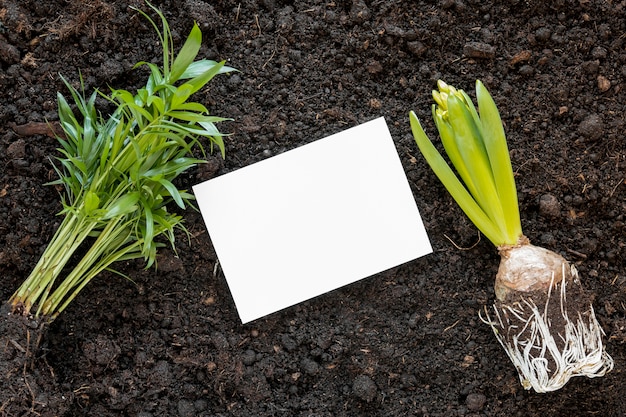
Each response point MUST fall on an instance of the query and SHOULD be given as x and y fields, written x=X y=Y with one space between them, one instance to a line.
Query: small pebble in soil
x=603 y=83
x=417 y=48
x=200 y=405
x=186 y=408
x=475 y=402
x=8 y=53
x=549 y=206
x=288 y=343
x=591 y=67
x=591 y=127
x=543 y=34
x=309 y=366
x=599 y=52
x=526 y=70
x=479 y=50
x=547 y=239
x=249 y=357
x=364 y=388
x=220 y=341
x=17 y=149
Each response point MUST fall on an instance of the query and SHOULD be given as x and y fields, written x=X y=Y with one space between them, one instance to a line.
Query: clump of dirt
x=407 y=341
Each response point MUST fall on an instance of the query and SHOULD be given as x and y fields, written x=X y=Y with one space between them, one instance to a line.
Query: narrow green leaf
x=499 y=158
x=149 y=225
x=219 y=142
x=186 y=115
x=92 y=202
x=122 y=131
x=72 y=132
x=155 y=79
x=193 y=107
x=139 y=113
x=123 y=96
x=209 y=127
x=141 y=98
x=203 y=65
x=173 y=168
x=164 y=37
x=173 y=192
x=66 y=115
x=471 y=108
x=123 y=205
x=157 y=102
x=187 y=54
x=181 y=95
x=202 y=79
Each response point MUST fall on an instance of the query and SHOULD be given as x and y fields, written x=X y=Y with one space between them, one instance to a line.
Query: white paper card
x=312 y=219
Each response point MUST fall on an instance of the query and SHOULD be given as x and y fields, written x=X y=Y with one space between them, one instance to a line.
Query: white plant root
x=547 y=354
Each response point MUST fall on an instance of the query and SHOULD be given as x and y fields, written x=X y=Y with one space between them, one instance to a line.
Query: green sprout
x=546 y=344
x=118 y=173
x=477 y=148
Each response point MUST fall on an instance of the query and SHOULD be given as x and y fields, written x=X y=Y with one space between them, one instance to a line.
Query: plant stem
x=79 y=274
x=71 y=233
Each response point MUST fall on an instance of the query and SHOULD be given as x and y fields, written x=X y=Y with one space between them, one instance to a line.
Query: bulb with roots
x=544 y=319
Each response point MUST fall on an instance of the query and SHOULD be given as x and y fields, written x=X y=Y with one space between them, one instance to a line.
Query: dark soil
x=406 y=342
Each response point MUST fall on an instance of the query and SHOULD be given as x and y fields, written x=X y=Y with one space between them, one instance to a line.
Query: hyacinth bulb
x=544 y=319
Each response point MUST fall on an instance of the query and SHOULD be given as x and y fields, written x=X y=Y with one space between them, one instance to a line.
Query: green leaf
x=72 y=132
x=209 y=127
x=123 y=205
x=141 y=98
x=92 y=202
x=219 y=142
x=158 y=104
x=156 y=77
x=172 y=168
x=148 y=233
x=188 y=116
x=181 y=95
x=187 y=54
x=202 y=79
x=123 y=96
x=495 y=142
x=173 y=191
x=68 y=121
x=203 y=65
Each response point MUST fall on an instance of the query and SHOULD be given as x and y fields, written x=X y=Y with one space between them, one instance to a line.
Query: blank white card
x=312 y=219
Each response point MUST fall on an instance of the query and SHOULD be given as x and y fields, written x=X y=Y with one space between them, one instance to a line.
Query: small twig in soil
x=51 y=129
x=17 y=346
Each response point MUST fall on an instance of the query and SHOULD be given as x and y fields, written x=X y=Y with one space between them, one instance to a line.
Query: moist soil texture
x=405 y=342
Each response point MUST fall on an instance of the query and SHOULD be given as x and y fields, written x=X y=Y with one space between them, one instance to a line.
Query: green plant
x=548 y=344
x=118 y=173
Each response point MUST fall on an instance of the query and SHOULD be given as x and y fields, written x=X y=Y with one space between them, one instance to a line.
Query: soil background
x=406 y=342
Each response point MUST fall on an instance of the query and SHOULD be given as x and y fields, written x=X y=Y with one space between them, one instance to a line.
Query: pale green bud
x=442 y=86
x=441 y=99
x=445 y=91
x=441 y=114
